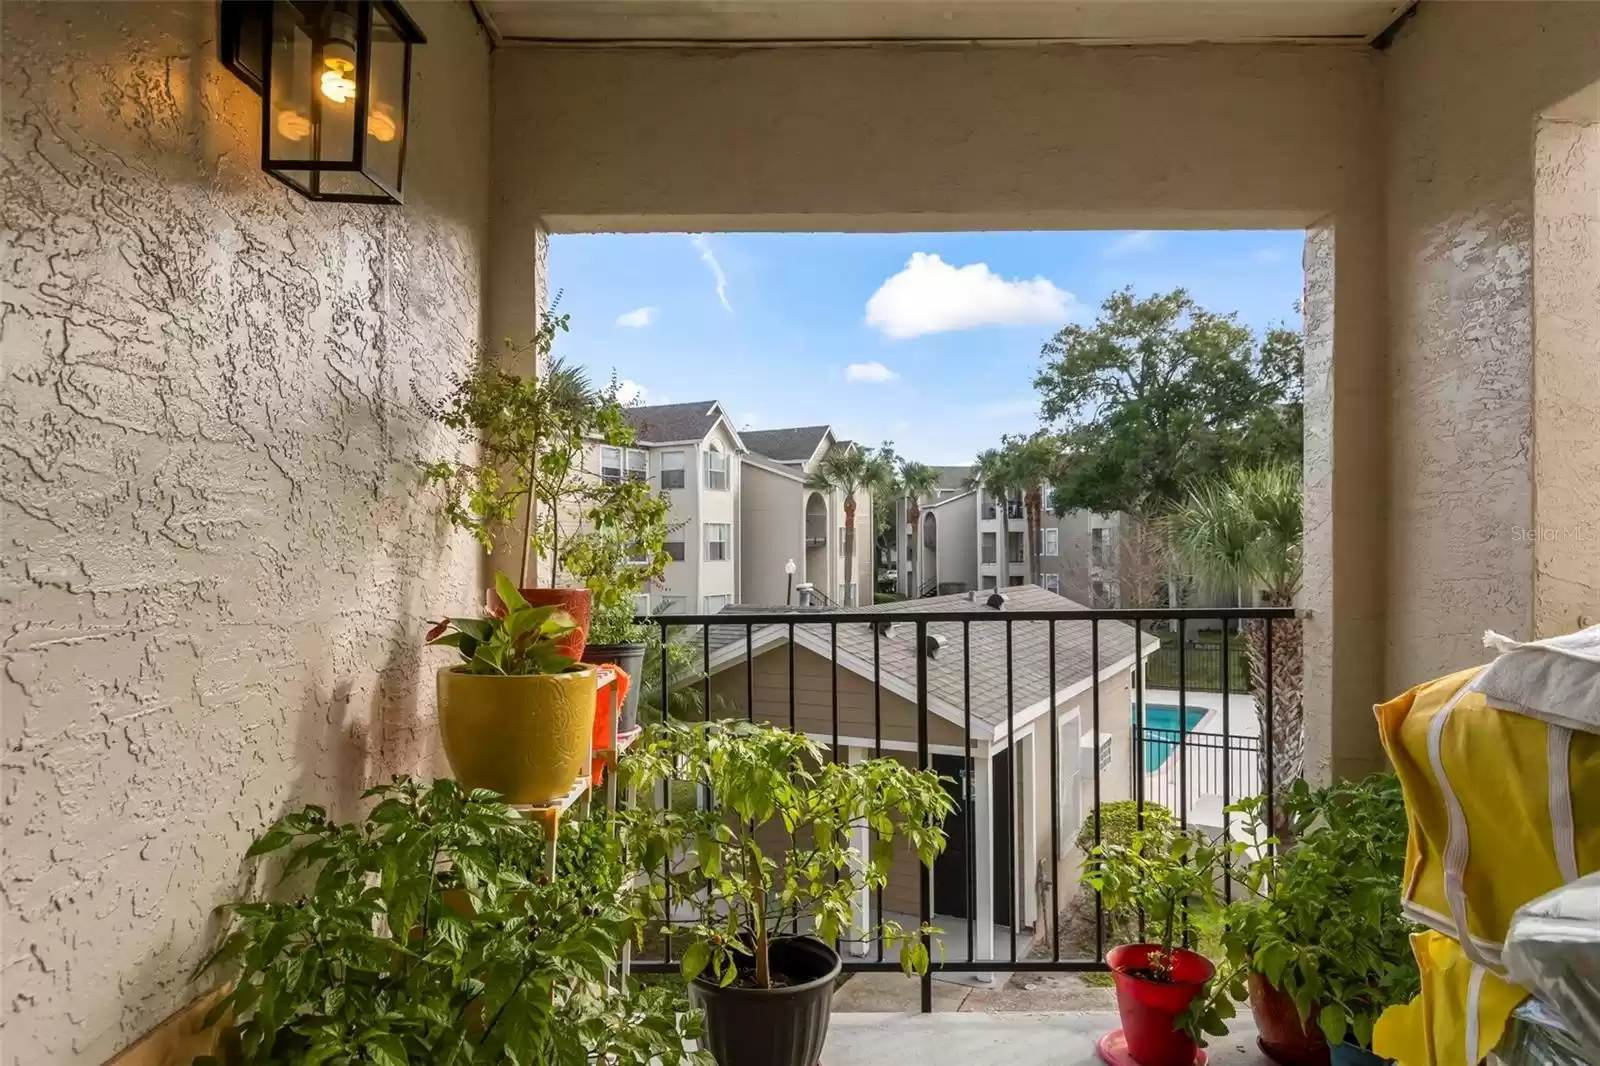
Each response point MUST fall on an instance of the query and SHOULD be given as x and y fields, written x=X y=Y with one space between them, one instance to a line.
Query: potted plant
x=769 y=870
x=530 y=435
x=1320 y=931
x=618 y=552
x=372 y=964
x=1165 y=992
x=516 y=713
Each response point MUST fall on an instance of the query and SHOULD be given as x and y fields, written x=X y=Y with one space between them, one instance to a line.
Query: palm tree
x=1243 y=530
x=993 y=473
x=1034 y=461
x=913 y=481
x=850 y=470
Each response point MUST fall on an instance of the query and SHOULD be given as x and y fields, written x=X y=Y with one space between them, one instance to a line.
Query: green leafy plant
x=531 y=435
x=424 y=937
x=518 y=640
x=1321 y=919
x=765 y=782
x=1170 y=878
x=613 y=623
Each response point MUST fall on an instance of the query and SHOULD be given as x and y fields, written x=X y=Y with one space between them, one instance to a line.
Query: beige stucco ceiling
x=1086 y=21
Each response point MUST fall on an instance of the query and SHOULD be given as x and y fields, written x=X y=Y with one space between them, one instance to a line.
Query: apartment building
x=693 y=453
x=785 y=522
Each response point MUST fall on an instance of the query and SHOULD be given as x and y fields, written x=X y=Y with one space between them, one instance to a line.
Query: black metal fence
x=968 y=692
x=1203 y=670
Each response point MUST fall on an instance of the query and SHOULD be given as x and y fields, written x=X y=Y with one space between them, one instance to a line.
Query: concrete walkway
x=1012 y=1039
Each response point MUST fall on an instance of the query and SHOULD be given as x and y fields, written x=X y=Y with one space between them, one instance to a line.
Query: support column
x=982 y=815
x=861 y=841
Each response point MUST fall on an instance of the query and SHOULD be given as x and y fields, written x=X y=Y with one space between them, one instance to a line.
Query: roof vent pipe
x=997 y=600
x=884 y=629
x=802 y=595
x=972 y=595
x=932 y=645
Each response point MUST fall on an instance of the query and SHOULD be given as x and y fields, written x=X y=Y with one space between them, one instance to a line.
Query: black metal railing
x=999 y=701
x=1203 y=663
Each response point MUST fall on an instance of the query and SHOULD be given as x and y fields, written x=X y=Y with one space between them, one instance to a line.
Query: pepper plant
x=1170 y=878
x=1321 y=919
x=425 y=935
x=768 y=784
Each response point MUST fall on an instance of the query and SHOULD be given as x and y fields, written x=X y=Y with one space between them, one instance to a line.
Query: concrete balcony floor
x=1066 y=1039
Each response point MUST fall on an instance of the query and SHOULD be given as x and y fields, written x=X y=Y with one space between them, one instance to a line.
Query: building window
x=718 y=535
x=988 y=581
x=612 y=460
x=1014 y=580
x=841 y=542
x=1097 y=546
x=716 y=469
x=988 y=549
x=641 y=605
x=1097 y=592
x=1052 y=541
x=1052 y=583
x=672 y=470
x=669 y=605
x=911 y=546
x=674 y=550
x=716 y=603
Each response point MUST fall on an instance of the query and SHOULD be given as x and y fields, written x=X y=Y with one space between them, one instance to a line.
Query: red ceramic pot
x=575 y=602
x=1285 y=1038
x=1150 y=1008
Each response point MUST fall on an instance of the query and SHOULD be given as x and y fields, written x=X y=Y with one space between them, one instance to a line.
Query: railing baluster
x=923 y=763
x=1013 y=775
x=1183 y=726
x=1227 y=775
x=666 y=796
x=1055 y=806
x=1272 y=732
x=749 y=674
x=833 y=675
x=1094 y=688
x=877 y=741
x=969 y=792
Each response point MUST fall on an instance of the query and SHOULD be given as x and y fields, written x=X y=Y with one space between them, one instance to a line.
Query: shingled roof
x=792 y=445
x=1030 y=648
x=668 y=422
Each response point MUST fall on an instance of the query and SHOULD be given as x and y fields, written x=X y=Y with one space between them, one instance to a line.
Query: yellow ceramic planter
x=526 y=738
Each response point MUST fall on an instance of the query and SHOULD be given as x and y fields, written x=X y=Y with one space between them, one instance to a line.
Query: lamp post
x=788 y=568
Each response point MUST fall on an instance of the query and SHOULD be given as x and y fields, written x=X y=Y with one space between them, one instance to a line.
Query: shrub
x=1119 y=820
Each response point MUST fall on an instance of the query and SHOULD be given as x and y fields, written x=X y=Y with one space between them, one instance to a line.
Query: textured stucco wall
x=1464 y=86
x=216 y=561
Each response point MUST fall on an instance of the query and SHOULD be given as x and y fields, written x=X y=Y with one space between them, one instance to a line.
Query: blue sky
x=929 y=340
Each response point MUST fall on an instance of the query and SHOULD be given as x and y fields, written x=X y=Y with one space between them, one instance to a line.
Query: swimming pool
x=1167 y=718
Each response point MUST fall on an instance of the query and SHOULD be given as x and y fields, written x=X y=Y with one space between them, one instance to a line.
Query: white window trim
x=726 y=541
x=673 y=463
x=641 y=604
x=1052 y=542
x=706 y=606
x=1052 y=583
x=720 y=456
x=605 y=450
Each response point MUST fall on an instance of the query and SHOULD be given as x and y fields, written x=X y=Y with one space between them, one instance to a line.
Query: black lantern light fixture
x=335 y=84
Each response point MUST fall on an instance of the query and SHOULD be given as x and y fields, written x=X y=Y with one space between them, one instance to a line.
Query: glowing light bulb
x=337 y=83
x=381 y=125
x=293 y=125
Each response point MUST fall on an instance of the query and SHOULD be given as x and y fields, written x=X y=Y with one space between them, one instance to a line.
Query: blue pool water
x=1161 y=716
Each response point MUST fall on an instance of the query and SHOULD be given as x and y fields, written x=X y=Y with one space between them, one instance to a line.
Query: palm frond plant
x=1244 y=532
x=994 y=473
x=914 y=482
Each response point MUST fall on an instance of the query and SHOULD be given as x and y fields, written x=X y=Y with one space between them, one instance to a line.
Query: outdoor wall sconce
x=334 y=78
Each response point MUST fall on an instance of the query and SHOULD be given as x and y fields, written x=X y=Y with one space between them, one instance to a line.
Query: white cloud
x=702 y=244
x=1132 y=242
x=931 y=296
x=630 y=392
x=869 y=373
x=638 y=318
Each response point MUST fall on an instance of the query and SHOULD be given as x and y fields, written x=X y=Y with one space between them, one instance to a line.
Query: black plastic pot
x=630 y=658
x=773 y=1026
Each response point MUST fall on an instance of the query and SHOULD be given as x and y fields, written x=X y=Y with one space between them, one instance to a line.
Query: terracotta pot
x=1284 y=1037
x=1150 y=1009
x=523 y=737
x=575 y=602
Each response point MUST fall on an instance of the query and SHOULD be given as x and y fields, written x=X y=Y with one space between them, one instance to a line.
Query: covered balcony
x=222 y=570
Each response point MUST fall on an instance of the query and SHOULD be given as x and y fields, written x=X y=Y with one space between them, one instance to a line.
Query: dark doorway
x=950 y=868
x=1005 y=874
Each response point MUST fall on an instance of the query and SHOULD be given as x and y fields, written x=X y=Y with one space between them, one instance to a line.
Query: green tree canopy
x=1159 y=391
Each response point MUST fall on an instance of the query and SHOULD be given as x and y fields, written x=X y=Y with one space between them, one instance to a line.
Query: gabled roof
x=677 y=423
x=953 y=478
x=948 y=687
x=771 y=466
x=793 y=445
